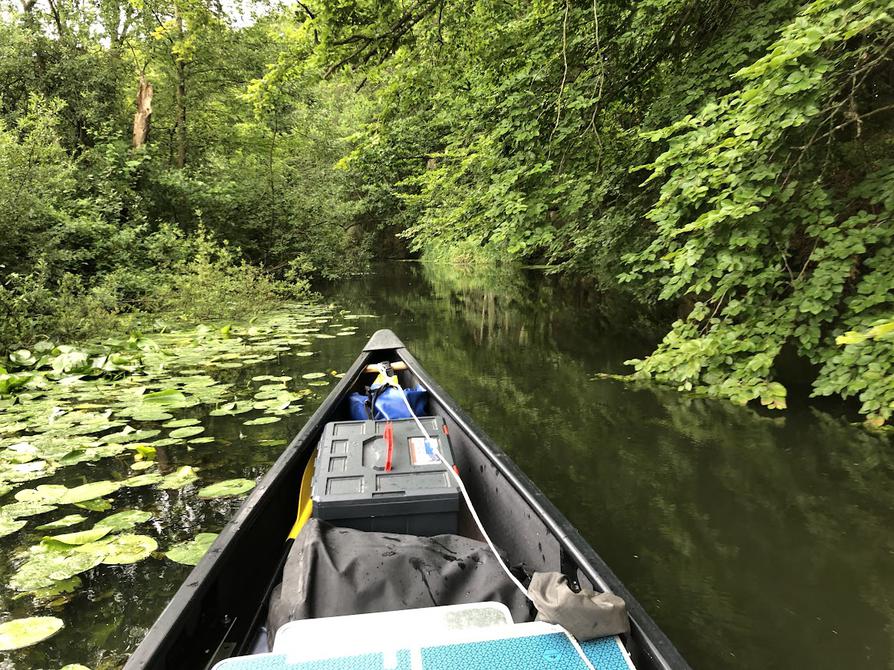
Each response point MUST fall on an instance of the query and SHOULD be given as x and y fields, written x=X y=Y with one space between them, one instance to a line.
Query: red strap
x=389 y=442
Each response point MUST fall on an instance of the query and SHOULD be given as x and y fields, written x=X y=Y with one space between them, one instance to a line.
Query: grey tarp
x=336 y=571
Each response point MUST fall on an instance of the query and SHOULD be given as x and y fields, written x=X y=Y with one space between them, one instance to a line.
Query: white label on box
x=423 y=451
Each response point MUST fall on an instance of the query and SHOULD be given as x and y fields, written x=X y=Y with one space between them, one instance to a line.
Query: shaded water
x=753 y=540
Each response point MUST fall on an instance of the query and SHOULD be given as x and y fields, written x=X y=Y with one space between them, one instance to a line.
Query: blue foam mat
x=537 y=652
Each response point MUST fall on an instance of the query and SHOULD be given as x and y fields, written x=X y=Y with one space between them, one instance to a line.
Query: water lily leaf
x=74 y=666
x=85 y=492
x=142 y=465
x=229 y=487
x=20 y=509
x=22 y=358
x=20 y=633
x=79 y=537
x=42 y=570
x=150 y=414
x=324 y=336
x=64 y=522
x=46 y=494
x=165 y=397
x=166 y=442
x=9 y=526
x=191 y=552
x=126 y=549
x=261 y=420
x=123 y=520
x=203 y=440
x=95 y=505
x=142 y=480
x=230 y=409
x=189 y=431
x=179 y=478
x=69 y=585
x=180 y=423
x=313 y=375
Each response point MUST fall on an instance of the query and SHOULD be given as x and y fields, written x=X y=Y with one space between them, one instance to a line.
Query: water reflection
x=753 y=539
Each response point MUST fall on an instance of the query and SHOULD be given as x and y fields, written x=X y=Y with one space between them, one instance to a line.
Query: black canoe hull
x=215 y=612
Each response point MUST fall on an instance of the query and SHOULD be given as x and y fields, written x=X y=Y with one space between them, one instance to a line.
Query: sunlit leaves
x=19 y=633
x=191 y=552
x=229 y=487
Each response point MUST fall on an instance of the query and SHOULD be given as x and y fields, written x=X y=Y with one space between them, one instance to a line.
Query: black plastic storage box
x=352 y=488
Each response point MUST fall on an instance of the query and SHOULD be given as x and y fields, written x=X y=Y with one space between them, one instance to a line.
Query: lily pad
x=150 y=414
x=165 y=397
x=20 y=509
x=229 y=487
x=142 y=480
x=189 y=431
x=123 y=520
x=179 y=478
x=261 y=420
x=81 y=537
x=126 y=549
x=44 y=569
x=142 y=465
x=64 y=522
x=85 y=492
x=313 y=375
x=202 y=440
x=191 y=552
x=9 y=526
x=69 y=585
x=74 y=666
x=20 y=633
x=95 y=505
x=180 y=423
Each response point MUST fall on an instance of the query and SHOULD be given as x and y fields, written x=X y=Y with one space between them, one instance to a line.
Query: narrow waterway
x=753 y=539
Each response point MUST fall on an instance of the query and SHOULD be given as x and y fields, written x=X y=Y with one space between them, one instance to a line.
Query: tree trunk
x=180 y=101
x=143 y=115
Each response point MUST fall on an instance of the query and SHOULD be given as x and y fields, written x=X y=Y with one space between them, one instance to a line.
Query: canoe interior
x=216 y=612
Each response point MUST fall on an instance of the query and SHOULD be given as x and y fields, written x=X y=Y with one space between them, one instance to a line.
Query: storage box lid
x=350 y=479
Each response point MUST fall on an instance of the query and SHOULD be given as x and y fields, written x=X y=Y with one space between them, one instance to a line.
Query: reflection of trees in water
x=739 y=532
x=516 y=306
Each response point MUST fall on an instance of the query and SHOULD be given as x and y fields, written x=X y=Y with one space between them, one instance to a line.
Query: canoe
x=217 y=612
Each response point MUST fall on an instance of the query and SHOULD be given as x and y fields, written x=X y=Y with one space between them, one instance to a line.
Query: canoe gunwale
x=658 y=646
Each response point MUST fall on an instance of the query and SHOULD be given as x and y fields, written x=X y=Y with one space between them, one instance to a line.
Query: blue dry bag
x=385 y=402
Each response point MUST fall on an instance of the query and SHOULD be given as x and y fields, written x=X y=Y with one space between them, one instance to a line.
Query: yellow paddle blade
x=305 y=504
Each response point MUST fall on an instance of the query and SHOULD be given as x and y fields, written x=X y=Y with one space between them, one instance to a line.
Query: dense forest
x=731 y=159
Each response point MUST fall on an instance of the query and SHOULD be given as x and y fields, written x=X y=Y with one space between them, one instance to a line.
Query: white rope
x=474 y=513
x=462 y=488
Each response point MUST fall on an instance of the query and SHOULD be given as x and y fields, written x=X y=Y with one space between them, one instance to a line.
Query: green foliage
x=753 y=220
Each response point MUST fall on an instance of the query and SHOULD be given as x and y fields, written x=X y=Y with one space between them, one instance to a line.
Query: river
x=754 y=539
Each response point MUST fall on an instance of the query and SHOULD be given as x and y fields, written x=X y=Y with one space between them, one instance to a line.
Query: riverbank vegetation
x=729 y=159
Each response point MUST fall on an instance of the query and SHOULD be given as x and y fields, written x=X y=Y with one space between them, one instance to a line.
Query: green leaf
x=9 y=526
x=229 y=487
x=64 y=522
x=80 y=537
x=95 y=505
x=191 y=552
x=261 y=420
x=85 y=492
x=179 y=478
x=20 y=633
x=123 y=520
x=189 y=431
x=126 y=549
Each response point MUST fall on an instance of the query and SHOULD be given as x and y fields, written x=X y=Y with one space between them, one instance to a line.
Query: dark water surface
x=755 y=541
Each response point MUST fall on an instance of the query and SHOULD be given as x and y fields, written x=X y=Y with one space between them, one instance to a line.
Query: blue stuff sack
x=388 y=403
